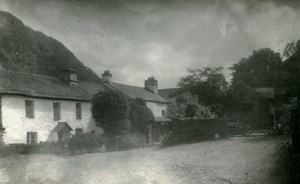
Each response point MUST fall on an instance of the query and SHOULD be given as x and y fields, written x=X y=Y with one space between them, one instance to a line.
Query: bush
x=189 y=131
x=140 y=116
x=172 y=139
x=131 y=141
x=79 y=144
x=110 y=109
x=24 y=149
x=287 y=166
x=85 y=143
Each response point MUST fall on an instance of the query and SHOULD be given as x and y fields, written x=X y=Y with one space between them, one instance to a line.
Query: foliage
x=85 y=143
x=25 y=50
x=287 y=165
x=24 y=149
x=256 y=70
x=110 y=109
x=79 y=144
x=291 y=48
x=189 y=131
x=131 y=141
x=208 y=85
x=186 y=105
x=140 y=115
x=284 y=116
x=139 y=101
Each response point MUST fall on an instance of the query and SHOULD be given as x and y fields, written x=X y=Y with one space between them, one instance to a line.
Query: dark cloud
x=138 y=38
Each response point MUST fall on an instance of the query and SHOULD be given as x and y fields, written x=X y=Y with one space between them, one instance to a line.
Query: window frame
x=73 y=77
x=56 y=111
x=32 y=136
x=78 y=110
x=163 y=113
x=78 y=131
x=29 y=110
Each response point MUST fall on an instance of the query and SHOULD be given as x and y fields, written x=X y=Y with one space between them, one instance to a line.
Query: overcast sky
x=135 y=39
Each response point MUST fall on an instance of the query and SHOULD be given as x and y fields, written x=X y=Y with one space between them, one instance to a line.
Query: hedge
x=78 y=144
x=195 y=130
x=24 y=149
x=85 y=143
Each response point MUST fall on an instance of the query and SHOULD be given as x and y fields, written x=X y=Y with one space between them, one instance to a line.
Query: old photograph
x=149 y=91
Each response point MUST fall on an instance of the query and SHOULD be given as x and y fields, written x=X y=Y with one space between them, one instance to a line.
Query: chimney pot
x=107 y=77
x=151 y=85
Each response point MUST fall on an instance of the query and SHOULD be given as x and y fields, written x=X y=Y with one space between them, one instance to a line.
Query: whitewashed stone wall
x=17 y=125
x=157 y=108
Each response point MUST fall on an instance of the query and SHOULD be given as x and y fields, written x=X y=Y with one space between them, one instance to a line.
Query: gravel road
x=233 y=161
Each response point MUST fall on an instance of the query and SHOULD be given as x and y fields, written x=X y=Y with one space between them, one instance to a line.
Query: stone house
x=37 y=108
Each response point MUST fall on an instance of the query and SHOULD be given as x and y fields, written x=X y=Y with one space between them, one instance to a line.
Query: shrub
x=284 y=165
x=85 y=143
x=24 y=149
x=110 y=109
x=140 y=116
x=187 y=105
x=189 y=131
x=131 y=141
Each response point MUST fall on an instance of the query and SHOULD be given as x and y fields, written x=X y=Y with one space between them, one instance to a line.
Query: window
x=78 y=111
x=56 y=111
x=78 y=131
x=163 y=112
x=73 y=77
x=32 y=138
x=29 y=112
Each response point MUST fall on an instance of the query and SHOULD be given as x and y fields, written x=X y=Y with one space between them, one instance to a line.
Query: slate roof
x=167 y=93
x=92 y=87
x=40 y=86
x=162 y=119
x=139 y=92
x=269 y=92
x=33 y=85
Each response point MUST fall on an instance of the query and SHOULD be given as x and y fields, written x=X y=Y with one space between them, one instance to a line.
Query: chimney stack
x=107 y=77
x=70 y=76
x=151 y=85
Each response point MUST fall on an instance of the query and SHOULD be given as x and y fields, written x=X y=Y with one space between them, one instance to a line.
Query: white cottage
x=36 y=108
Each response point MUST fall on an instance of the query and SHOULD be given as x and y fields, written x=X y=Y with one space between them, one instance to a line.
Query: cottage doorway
x=63 y=131
x=32 y=138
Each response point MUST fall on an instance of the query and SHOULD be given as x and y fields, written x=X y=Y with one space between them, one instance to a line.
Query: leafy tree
x=110 y=109
x=140 y=115
x=256 y=70
x=291 y=48
x=208 y=85
x=139 y=101
x=186 y=105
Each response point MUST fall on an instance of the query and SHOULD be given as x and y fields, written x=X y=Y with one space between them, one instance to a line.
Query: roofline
x=291 y=57
x=132 y=97
x=128 y=85
x=168 y=89
x=157 y=101
x=48 y=97
x=31 y=74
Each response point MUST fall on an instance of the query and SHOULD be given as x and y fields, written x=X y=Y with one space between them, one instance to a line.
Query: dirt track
x=238 y=160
